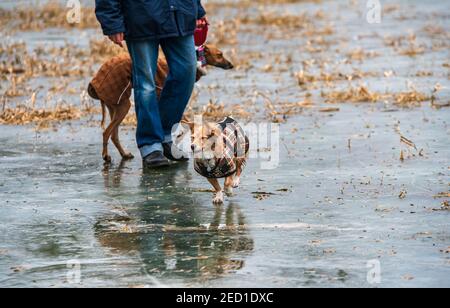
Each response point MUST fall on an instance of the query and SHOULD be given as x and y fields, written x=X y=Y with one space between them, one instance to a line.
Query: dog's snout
x=193 y=147
x=228 y=65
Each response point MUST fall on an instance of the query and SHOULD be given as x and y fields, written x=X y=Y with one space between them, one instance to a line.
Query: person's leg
x=177 y=91
x=149 y=132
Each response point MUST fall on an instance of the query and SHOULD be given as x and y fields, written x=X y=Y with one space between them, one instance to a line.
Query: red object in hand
x=201 y=34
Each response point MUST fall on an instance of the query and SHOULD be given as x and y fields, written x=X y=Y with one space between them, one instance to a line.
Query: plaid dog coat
x=236 y=146
x=112 y=83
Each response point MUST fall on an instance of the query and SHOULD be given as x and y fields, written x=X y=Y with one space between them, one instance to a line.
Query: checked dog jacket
x=236 y=146
x=112 y=83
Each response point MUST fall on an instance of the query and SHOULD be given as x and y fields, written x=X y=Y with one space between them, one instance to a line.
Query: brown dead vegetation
x=50 y=15
x=355 y=95
x=324 y=76
x=362 y=94
x=45 y=117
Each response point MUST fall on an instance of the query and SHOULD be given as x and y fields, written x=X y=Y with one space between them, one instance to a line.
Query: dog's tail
x=92 y=93
x=103 y=114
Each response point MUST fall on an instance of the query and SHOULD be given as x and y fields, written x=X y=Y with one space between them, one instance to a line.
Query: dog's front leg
x=237 y=176
x=218 y=197
x=229 y=186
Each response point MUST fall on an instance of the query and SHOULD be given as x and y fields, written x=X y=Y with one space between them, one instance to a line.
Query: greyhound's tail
x=92 y=93
x=103 y=114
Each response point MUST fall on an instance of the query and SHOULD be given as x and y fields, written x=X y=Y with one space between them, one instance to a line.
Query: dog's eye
x=208 y=137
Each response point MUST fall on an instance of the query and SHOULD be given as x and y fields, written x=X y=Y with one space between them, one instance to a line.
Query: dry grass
x=60 y=64
x=409 y=98
x=412 y=50
x=320 y=63
x=308 y=81
x=406 y=45
x=362 y=94
x=50 y=15
x=355 y=95
x=225 y=32
x=442 y=195
x=273 y=19
x=23 y=115
x=212 y=6
x=359 y=54
x=215 y=111
x=446 y=206
x=45 y=117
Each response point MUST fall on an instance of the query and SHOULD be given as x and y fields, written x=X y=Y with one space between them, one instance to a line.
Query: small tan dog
x=220 y=151
x=112 y=86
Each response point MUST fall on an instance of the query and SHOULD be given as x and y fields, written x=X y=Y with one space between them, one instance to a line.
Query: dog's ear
x=189 y=123
x=185 y=119
x=207 y=48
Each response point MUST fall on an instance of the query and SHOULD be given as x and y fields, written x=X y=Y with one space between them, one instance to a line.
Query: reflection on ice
x=173 y=239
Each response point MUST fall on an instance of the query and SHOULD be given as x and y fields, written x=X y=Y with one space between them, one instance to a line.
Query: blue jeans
x=155 y=119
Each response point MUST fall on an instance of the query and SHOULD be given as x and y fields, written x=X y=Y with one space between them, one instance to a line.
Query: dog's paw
x=229 y=191
x=218 y=198
x=128 y=156
x=236 y=182
x=107 y=158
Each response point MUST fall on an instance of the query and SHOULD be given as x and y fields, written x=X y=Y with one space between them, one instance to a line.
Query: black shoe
x=173 y=153
x=155 y=160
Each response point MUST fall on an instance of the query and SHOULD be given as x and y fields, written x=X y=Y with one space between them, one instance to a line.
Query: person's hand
x=202 y=22
x=117 y=38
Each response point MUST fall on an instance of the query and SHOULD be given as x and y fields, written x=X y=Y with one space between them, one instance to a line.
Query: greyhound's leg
x=229 y=186
x=119 y=116
x=106 y=135
x=218 y=198
x=110 y=129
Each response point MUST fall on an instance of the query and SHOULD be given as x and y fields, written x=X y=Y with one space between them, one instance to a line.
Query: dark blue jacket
x=149 y=19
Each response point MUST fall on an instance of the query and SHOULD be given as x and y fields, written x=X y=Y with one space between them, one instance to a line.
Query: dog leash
x=201 y=34
x=123 y=92
x=200 y=37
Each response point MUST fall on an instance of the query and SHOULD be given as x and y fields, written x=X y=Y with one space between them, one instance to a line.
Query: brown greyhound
x=112 y=86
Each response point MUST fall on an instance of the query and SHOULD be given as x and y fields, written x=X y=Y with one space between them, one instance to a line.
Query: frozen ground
x=128 y=228
x=339 y=199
